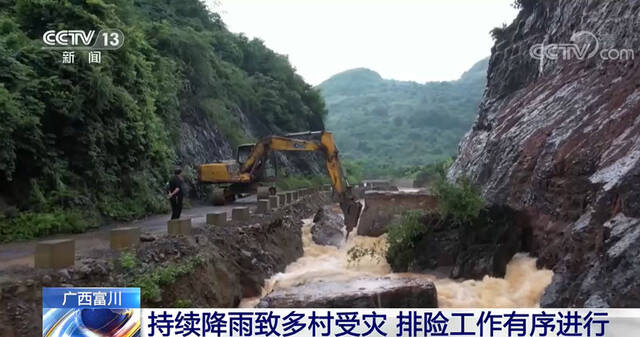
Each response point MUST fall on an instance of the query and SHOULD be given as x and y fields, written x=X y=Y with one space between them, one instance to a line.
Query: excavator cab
x=269 y=170
x=243 y=153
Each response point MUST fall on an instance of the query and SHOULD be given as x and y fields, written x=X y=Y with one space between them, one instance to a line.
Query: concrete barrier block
x=125 y=237
x=217 y=218
x=380 y=207
x=282 y=199
x=263 y=207
x=179 y=227
x=262 y=193
x=240 y=214
x=273 y=202
x=55 y=254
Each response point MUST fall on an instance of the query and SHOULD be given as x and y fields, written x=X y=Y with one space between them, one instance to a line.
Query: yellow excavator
x=248 y=173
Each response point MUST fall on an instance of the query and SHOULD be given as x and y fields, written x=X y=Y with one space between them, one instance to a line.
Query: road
x=21 y=253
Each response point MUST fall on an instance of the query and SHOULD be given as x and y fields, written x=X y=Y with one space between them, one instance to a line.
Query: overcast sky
x=417 y=40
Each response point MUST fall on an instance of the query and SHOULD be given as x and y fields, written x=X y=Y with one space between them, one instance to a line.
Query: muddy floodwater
x=522 y=285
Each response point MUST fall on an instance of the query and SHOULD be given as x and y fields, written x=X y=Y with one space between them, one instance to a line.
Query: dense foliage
x=103 y=137
x=390 y=126
x=402 y=236
x=460 y=200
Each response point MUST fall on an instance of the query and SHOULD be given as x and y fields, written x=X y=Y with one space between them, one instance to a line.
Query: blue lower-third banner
x=94 y=312
x=390 y=322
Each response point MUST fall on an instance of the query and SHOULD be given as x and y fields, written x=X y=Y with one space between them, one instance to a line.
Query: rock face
x=361 y=293
x=328 y=228
x=203 y=142
x=381 y=206
x=560 y=141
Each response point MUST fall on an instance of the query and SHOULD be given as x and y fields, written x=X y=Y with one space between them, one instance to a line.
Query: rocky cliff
x=559 y=140
x=204 y=142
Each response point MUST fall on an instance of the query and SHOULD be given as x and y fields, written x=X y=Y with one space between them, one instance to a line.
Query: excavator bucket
x=351 y=210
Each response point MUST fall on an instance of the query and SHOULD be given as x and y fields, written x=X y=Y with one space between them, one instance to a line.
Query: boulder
x=328 y=228
x=360 y=293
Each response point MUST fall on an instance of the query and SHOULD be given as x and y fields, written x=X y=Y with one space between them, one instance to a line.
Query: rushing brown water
x=522 y=286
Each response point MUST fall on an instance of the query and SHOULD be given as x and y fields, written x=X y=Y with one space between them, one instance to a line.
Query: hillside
x=387 y=124
x=101 y=139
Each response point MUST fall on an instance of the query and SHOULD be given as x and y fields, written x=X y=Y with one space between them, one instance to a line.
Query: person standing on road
x=176 y=193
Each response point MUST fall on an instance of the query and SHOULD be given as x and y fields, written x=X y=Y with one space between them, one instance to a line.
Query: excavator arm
x=350 y=207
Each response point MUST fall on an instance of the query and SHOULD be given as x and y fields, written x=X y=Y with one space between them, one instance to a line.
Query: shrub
x=461 y=200
x=150 y=283
x=428 y=174
x=30 y=225
x=499 y=33
x=127 y=261
x=402 y=236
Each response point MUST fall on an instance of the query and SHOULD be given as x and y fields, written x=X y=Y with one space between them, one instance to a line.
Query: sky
x=413 y=40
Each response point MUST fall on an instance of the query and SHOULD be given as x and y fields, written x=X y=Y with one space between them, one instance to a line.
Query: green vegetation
x=103 y=138
x=430 y=174
x=150 y=283
x=462 y=201
x=127 y=261
x=402 y=235
x=353 y=171
x=28 y=225
x=389 y=127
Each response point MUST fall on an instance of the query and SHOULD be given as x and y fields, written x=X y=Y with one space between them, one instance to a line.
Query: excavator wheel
x=218 y=196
